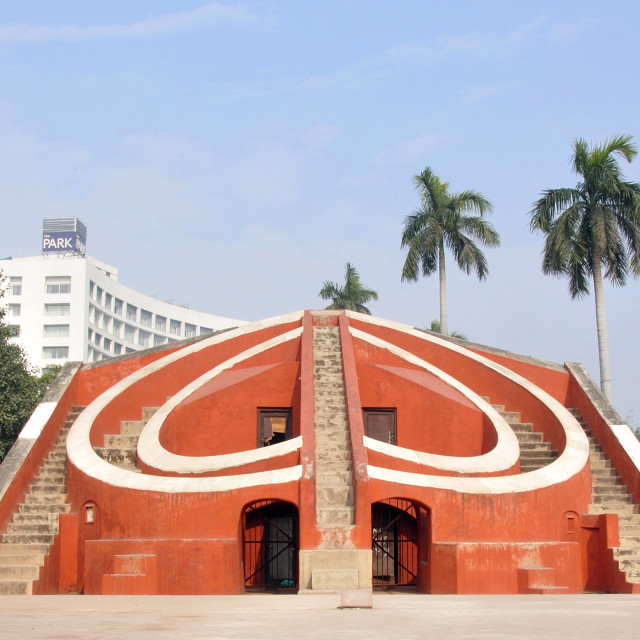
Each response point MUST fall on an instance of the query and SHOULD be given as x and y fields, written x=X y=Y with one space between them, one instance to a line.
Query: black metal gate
x=394 y=543
x=271 y=546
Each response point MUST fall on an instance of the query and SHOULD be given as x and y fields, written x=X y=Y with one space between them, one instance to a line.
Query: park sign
x=64 y=236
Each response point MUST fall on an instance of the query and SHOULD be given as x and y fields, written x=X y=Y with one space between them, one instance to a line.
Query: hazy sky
x=235 y=156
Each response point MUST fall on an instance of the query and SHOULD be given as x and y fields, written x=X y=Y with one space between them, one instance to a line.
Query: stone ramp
x=34 y=525
x=609 y=495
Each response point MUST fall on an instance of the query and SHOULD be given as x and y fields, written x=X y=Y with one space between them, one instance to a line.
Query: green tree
x=435 y=327
x=443 y=220
x=353 y=295
x=20 y=387
x=592 y=227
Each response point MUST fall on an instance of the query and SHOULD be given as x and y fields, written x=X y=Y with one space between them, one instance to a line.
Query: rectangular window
x=92 y=288
x=274 y=425
x=56 y=330
x=380 y=424
x=158 y=340
x=205 y=331
x=175 y=327
x=189 y=330
x=55 y=353
x=143 y=338
x=106 y=321
x=132 y=312
x=15 y=286
x=97 y=317
x=117 y=348
x=99 y=295
x=161 y=323
x=13 y=309
x=107 y=300
x=117 y=328
x=129 y=333
x=14 y=330
x=106 y=344
x=145 y=318
x=97 y=339
x=58 y=284
x=117 y=306
x=57 y=309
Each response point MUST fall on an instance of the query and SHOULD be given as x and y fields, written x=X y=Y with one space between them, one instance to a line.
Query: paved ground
x=267 y=617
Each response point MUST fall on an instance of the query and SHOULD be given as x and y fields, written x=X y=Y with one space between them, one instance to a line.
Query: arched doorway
x=270 y=540
x=394 y=543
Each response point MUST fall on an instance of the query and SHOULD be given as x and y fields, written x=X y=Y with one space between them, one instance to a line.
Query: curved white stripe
x=503 y=456
x=570 y=462
x=81 y=454
x=152 y=453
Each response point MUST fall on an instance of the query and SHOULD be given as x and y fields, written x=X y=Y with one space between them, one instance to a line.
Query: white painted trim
x=570 y=462
x=81 y=454
x=152 y=453
x=503 y=456
x=38 y=420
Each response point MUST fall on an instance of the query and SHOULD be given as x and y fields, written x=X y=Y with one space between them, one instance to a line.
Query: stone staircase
x=334 y=490
x=609 y=495
x=35 y=523
x=534 y=451
x=120 y=449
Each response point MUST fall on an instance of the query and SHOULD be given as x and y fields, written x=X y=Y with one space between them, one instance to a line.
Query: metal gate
x=394 y=543
x=271 y=546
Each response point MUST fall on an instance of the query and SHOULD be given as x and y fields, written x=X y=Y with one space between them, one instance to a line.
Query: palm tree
x=592 y=227
x=352 y=296
x=435 y=327
x=443 y=221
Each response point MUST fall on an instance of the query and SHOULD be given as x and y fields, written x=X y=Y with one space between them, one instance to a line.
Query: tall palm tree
x=592 y=227
x=443 y=221
x=353 y=296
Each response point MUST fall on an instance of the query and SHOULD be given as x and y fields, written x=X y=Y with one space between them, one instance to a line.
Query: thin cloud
x=151 y=27
x=474 y=44
x=409 y=151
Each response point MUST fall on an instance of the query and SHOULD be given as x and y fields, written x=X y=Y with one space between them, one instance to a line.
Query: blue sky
x=235 y=156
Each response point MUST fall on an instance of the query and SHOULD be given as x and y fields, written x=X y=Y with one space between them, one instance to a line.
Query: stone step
x=29 y=528
x=510 y=416
x=16 y=587
x=334 y=496
x=529 y=437
x=48 y=488
x=44 y=508
x=22 y=549
x=628 y=554
x=613 y=499
x=44 y=498
x=622 y=509
x=628 y=540
x=603 y=473
x=531 y=447
x=147 y=412
x=538 y=453
x=118 y=441
x=608 y=488
x=117 y=456
x=19 y=572
x=28 y=538
x=21 y=559
x=325 y=477
x=48 y=478
x=599 y=464
x=132 y=427
x=522 y=427
x=334 y=517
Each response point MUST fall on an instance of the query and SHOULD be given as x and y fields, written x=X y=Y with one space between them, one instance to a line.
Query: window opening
x=380 y=424
x=274 y=425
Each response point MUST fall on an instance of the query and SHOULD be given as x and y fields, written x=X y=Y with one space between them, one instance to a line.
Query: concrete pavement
x=264 y=616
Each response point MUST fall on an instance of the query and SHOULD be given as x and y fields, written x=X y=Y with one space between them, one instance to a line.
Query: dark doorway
x=380 y=424
x=271 y=546
x=274 y=425
x=394 y=544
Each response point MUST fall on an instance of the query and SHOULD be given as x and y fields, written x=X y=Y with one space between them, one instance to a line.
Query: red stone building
x=322 y=450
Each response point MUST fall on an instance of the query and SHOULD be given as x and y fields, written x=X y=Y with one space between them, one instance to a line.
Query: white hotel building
x=68 y=306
